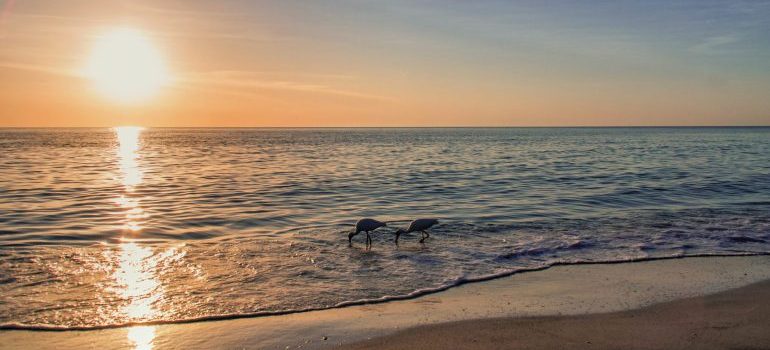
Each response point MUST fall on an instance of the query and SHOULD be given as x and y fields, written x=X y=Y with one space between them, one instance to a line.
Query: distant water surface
x=102 y=227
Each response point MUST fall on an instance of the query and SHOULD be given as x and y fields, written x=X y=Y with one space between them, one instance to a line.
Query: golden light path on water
x=131 y=174
x=136 y=274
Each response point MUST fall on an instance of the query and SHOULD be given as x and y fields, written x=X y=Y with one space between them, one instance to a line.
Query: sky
x=396 y=63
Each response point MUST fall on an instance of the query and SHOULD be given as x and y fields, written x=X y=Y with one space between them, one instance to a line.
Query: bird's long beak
x=350 y=238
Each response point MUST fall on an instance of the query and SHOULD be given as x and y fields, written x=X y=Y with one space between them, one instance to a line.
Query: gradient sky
x=398 y=63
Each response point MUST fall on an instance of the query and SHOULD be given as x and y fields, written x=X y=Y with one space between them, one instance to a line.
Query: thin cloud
x=182 y=12
x=240 y=80
x=714 y=44
x=41 y=69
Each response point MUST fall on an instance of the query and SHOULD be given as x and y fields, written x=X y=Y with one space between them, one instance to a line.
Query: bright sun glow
x=125 y=66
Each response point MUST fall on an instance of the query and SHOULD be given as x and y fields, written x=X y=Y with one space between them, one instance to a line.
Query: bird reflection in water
x=136 y=275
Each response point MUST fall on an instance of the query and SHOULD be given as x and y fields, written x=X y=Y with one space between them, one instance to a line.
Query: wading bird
x=418 y=225
x=366 y=225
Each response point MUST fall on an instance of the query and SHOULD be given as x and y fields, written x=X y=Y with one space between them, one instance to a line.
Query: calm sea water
x=102 y=227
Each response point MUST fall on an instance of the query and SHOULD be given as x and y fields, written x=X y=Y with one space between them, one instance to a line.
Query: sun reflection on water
x=136 y=280
x=136 y=273
x=131 y=175
x=142 y=337
x=128 y=153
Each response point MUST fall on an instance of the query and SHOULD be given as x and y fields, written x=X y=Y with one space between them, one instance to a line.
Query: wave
x=384 y=299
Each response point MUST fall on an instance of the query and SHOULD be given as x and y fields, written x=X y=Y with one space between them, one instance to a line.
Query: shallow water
x=102 y=227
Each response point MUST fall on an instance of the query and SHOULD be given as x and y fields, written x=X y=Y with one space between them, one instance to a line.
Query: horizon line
x=395 y=127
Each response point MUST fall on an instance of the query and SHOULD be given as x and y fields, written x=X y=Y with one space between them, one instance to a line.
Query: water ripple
x=99 y=229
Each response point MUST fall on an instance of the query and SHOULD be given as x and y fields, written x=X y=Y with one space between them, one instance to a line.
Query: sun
x=125 y=66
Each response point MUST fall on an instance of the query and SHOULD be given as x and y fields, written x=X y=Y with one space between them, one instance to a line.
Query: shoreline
x=578 y=289
x=386 y=299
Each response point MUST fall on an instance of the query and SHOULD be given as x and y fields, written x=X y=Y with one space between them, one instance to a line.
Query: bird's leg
x=423 y=236
x=368 y=238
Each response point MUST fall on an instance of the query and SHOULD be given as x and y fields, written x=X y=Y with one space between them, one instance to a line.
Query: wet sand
x=736 y=319
x=564 y=306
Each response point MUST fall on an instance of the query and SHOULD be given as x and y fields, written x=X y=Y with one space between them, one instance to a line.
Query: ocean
x=108 y=227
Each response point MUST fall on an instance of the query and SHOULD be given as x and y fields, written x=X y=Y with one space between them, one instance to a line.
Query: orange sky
x=340 y=63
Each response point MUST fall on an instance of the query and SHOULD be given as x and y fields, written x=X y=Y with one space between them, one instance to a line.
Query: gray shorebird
x=418 y=225
x=366 y=225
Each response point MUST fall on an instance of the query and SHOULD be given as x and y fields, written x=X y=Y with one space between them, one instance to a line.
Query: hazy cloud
x=251 y=82
x=714 y=45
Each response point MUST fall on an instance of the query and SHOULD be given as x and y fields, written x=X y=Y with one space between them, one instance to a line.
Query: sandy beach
x=736 y=319
x=672 y=303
